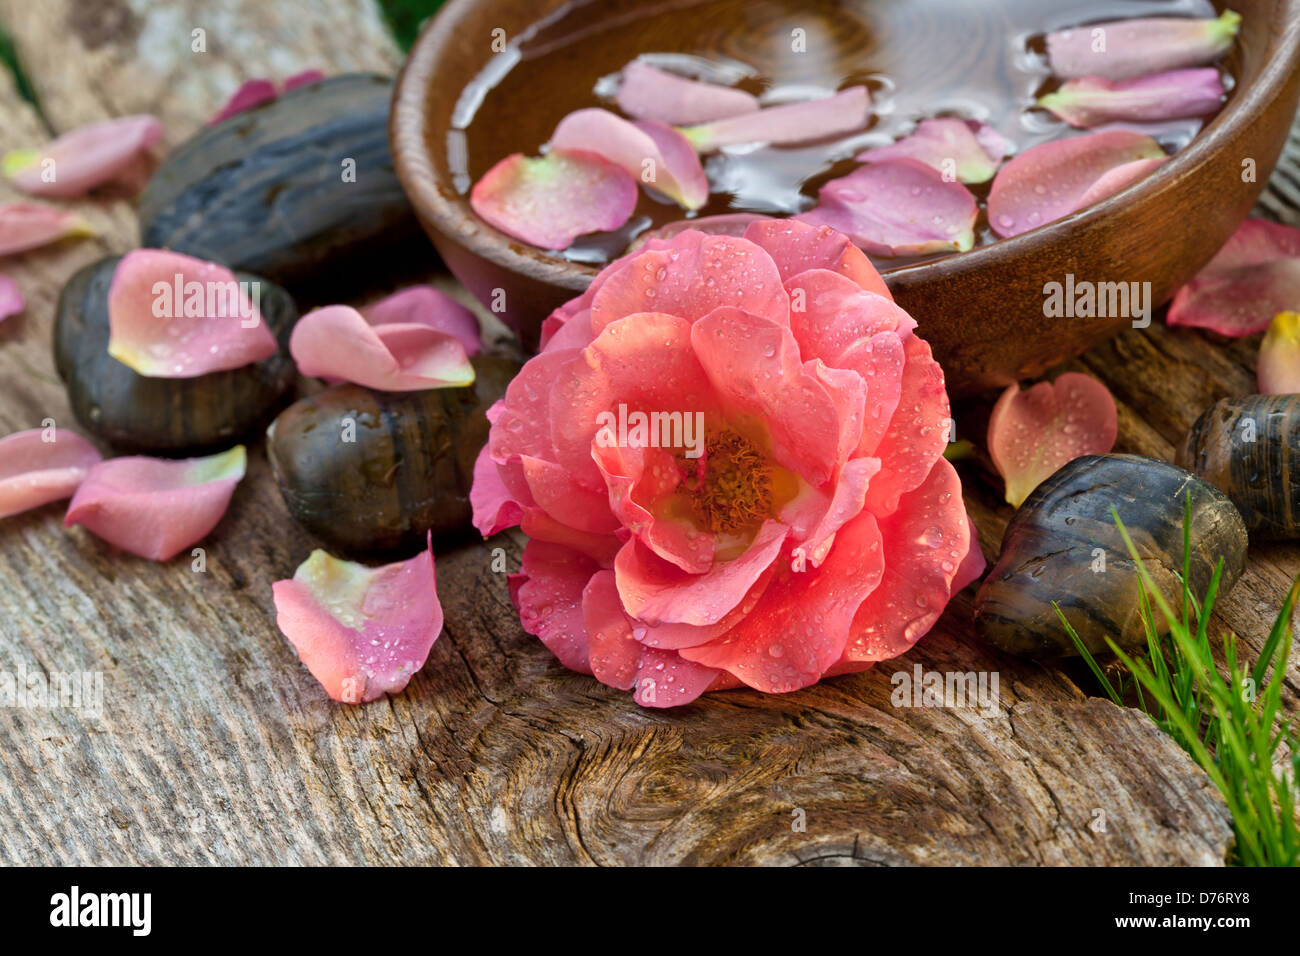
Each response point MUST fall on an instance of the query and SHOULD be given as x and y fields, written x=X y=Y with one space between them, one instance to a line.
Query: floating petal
x=1278 y=368
x=1253 y=277
x=898 y=207
x=41 y=465
x=173 y=316
x=1123 y=49
x=648 y=93
x=549 y=202
x=845 y=112
x=336 y=343
x=25 y=226
x=155 y=507
x=77 y=162
x=1091 y=100
x=1035 y=432
x=425 y=305
x=964 y=150
x=1057 y=178
x=362 y=632
x=654 y=153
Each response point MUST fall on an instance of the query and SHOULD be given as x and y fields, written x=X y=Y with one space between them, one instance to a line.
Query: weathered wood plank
x=216 y=746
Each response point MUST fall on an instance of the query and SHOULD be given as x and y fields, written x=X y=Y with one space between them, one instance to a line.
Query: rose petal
x=25 y=226
x=1033 y=433
x=803 y=621
x=797 y=247
x=425 y=305
x=253 y=93
x=78 y=161
x=898 y=207
x=964 y=150
x=1278 y=369
x=1123 y=49
x=154 y=507
x=648 y=93
x=549 y=598
x=362 y=632
x=927 y=545
x=494 y=507
x=1057 y=178
x=656 y=591
x=830 y=313
x=727 y=224
x=1091 y=100
x=172 y=316
x=844 y=112
x=692 y=278
x=11 y=297
x=41 y=465
x=337 y=344
x=654 y=153
x=1253 y=277
x=660 y=678
x=305 y=78
x=549 y=202
x=972 y=566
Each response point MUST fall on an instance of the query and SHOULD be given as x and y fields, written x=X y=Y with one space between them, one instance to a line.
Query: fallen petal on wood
x=1123 y=49
x=1178 y=94
x=550 y=201
x=1278 y=368
x=174 y=316
x=11 y=298
x=78 y=161
x=155 y=507
x=25 y=226
x=362 y=632
x=898 y=207
x=1057 y=178
x=649 y=93
x=1253 y=277
x=42 y=465
x=1034 y=432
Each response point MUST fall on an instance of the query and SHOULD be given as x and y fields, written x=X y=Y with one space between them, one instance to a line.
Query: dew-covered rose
x=814 y=526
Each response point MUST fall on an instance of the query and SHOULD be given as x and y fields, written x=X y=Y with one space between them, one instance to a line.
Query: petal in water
x=41 y=465
x=1123 y=49
x=1278 y=369
x=1255 y=276
x=77 y=162
x=1055 y=179
x=336 y=343
x=549 y=202
x=173 y=316
x=654 y=153
x=362 y=632
x=898 y=207
x=25 y=226
x=155 y=507
x=425 y=305
x=845 y=112
x=1091 y=100
x=1035 y=432
x=961 y=150
x=648 y=93
x=11 y=298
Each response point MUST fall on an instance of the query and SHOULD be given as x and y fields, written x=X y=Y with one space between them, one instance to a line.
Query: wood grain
x=215 y=746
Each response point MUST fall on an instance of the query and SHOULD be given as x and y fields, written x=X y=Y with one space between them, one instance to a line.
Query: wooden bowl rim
x=439 y=204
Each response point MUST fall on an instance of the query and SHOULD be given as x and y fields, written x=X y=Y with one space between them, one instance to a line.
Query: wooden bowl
x=982 y=310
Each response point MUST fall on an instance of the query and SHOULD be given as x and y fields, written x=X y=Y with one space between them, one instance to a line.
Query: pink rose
x=728 y=460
